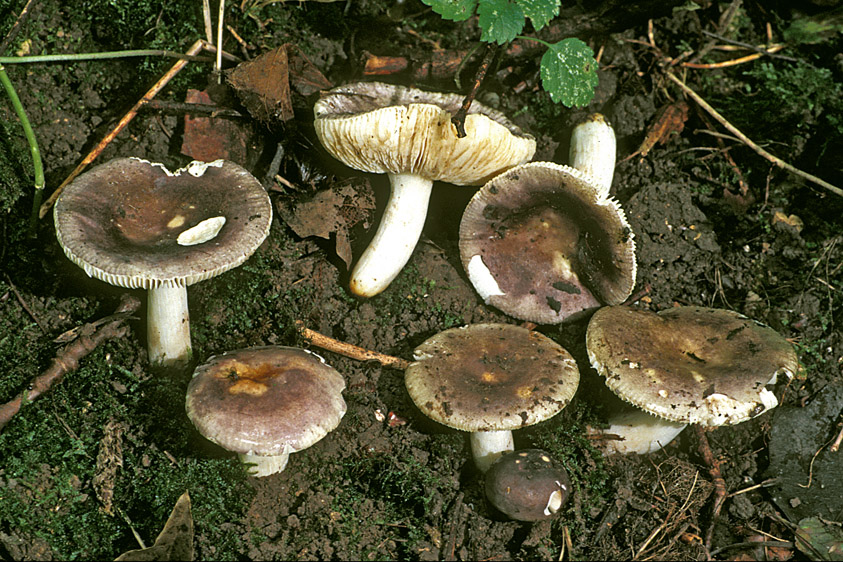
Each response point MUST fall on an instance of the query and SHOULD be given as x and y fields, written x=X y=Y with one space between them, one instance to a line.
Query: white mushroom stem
x=489 y=446
x=635 y=431
x=263 y=465
x=593 y=151
x=168 y=328
x=397 y=235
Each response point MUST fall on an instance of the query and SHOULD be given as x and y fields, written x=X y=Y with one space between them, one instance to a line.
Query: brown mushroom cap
x=528 y=485
x=689 y=364
x=121 y=221
x=542 y=243
x=265 y=400
x=491 y=377
x=383 y=128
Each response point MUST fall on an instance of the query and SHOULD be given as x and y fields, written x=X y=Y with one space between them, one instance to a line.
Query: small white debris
x=202 y=232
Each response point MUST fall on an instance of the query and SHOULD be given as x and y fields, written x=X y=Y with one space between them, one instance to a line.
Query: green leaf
x=569 y=72
x=540 y=12
x=454 y=10
x=500 y=20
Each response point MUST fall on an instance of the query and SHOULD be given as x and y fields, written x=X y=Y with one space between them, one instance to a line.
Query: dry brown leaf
x=209 y=138
x=669 y=121
x=332 y=211
x=175 y=541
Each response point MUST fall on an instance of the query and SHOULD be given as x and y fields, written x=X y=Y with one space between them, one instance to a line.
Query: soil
x=388 y=483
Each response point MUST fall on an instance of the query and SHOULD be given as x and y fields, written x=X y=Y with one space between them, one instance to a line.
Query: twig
x=760 y=50
x=24 y=305
x=746 y=140
x=459 y=119
x=68 y=359
x=719 y=484
x=16 y=27
x=220 y=18
x=67 y=57
x=180 y=108
x=157 y=87
x=837 y=440
x=732 y=62
x=350 y=350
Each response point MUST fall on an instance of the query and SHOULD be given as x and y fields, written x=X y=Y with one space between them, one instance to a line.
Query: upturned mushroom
x=135 y=224
x=527 y=485
x=407 y=134
x=264 y=403
x=489 y=379
x=544 y=242
x=684 y=365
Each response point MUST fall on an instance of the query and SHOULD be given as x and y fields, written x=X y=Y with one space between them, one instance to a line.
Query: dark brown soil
x=389 y=483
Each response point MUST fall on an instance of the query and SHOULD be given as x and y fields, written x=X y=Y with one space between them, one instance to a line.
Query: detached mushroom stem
x=594 y=150
x=397 y=235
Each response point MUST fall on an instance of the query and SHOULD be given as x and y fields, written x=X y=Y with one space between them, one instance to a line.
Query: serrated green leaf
x=454 y=10
x=569 y=72
x=540 y=12
x=500 y=20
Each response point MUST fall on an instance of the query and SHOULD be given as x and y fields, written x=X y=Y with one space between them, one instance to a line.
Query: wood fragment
x=350 y=350
x=381 y=65
x=670 y=120
x=459 y=119
x=68 y=359
x=109 y=460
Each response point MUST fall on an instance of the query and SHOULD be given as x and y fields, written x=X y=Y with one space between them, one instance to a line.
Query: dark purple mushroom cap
x=689 y=364
x=135 y=224
x=542 y=243
x=528 y=485
x=265 y=400
x=491 y=377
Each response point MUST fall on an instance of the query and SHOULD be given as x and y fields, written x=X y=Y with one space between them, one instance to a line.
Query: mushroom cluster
x=407 y=134
x=544 y=242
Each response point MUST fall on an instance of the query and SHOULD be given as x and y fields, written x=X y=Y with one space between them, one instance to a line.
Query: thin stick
x=731 y=62
x=350 y=350
x=459 y=119
x=28 y=59
x=720 y=493
x=220 y=18
x=68 y=359
x=24 y=305
x=209 y=26
x=157 y=87
x=746 y=140
x=24 y=13
x=37 y=166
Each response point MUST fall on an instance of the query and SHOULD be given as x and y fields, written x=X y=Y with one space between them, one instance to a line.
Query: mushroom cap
x=689 y=364
x=542 y=243
x=383 y=128
x=528 y=485
x=263 y=400
x=134 y=224
x=491 y=377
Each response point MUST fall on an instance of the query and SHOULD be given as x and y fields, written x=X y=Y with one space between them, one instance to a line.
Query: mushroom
x=684 y=365
x=264 y=403
x=134 y=224
x=528 y=485
x=544 y=242
x=407 y=134
x=489 y=379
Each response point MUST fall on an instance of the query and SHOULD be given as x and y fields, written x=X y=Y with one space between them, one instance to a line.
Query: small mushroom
x=407 y=134
x=544 y=242
x=264 y=403
x=489 y=379
x=528 y=485
x=684 y=365
x=135 y=224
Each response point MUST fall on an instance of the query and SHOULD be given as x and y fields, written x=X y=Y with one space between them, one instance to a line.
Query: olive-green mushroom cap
x=135 y=224
x=383 y=128
x=689 y=364
x=491 y=377
x=265 y=400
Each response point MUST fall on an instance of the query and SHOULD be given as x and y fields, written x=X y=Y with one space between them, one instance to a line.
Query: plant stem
x=33 y=146
x=98 y=56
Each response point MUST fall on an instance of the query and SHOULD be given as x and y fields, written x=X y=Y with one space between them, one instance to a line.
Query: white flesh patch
x=482 y=278
x=202 y=232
